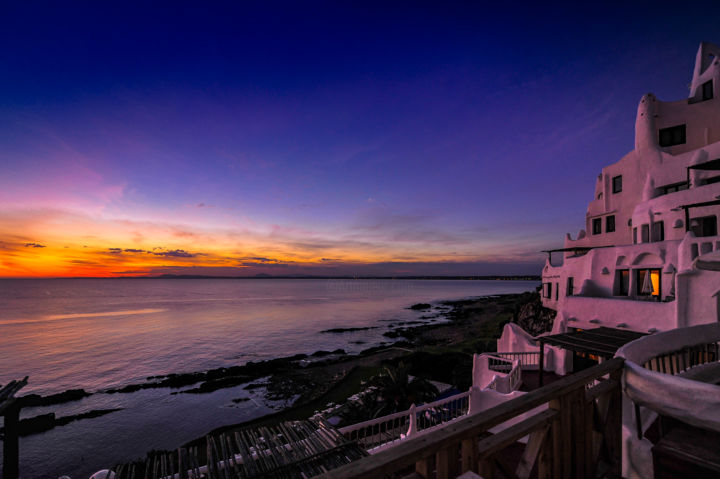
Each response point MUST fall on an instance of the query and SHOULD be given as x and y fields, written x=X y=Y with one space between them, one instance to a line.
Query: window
x=617 y=184
x=557 y=291
x=597 y=226
x=658 y=231
x=648 y=282
x=570 y=286
x=710 y=181
x=675 y=135
x=610 y=224
x=675 y=187
x=645 y=233
x=547 y=290
x=707 y=90
x=635 y=235
x=704 y=226
x=622 y=282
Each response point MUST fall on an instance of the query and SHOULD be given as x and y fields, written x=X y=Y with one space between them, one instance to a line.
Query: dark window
x=658 y=231
x=557 y=291
x=644 y=233
x=617 y=184
x=622 y=282
x=675 y=187
x=635 y=235
x=704 y=226
x=597 y=226
x=710 y=181
x=610 y=224
x=570 y=285
x=547 y=290
x=675 y=135
x=707 y=90
x=648 y=282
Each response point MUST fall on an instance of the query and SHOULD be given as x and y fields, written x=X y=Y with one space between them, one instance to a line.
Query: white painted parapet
x=671 y=393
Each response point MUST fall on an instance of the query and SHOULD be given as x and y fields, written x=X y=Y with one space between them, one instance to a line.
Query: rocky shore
x=438 y=347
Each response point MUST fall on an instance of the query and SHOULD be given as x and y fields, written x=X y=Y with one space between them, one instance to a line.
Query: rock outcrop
x=532 y=316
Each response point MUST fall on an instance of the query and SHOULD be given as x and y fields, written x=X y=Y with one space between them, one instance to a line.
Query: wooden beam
x=530 y=455
x=11 y=450
x=469 y=455
x=542 y=362
x=497 y=442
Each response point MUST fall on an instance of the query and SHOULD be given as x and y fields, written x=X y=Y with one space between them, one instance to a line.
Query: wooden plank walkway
x=298 y=449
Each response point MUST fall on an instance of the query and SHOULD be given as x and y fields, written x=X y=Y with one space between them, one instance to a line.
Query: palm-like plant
x=395 y=391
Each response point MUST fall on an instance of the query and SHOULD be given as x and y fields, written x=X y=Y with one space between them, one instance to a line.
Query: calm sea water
x=95 y=334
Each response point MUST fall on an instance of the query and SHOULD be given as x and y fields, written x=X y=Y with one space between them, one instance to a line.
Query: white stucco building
x=653 y=214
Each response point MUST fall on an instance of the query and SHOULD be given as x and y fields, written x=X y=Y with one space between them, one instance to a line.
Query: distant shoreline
x=398 y=278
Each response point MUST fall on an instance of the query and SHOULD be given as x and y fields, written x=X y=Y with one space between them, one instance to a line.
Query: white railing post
x=474 y=400
x=412 y=428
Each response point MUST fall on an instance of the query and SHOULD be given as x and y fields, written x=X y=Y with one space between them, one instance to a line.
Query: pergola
x=602 y=342
x=576 y=250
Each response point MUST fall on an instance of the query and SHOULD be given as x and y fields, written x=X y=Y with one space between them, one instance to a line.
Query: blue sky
x=326 y=138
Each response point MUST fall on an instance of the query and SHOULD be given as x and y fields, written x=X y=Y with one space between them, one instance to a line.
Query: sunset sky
x=312 y=138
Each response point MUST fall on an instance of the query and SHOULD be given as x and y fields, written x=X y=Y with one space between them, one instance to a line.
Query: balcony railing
x=386 y=430
x=528 y=360
x=510 y=381
x=567 y=439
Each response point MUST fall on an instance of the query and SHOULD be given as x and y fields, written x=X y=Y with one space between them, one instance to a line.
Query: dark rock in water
x=347 y=330
x=421 y=306
x=255 y=386
x=35 y=400
x=322 y=353
x=239 y=400
x=358 y=342
x=45 y=422
x=393 y=334
x=298 y=357
x=215 y=384
x=37 y=424
x=532 y=316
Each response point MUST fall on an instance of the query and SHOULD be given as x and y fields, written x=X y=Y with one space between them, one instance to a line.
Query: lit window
x=617 y=184
x=648 y=282
x=675 y=135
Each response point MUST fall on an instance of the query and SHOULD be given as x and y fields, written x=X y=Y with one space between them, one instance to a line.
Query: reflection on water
x=99 y=333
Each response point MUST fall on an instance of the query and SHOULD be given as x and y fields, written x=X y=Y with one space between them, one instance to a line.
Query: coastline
x=437 y=351
x=297 y=386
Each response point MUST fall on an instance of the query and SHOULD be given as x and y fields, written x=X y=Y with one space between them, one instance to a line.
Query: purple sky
x=425 y=138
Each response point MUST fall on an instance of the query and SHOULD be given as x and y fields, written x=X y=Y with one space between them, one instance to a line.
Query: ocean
x=102 y=333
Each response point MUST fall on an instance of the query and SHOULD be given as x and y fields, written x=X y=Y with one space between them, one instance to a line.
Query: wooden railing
x=679 y=361
x=579 y=427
